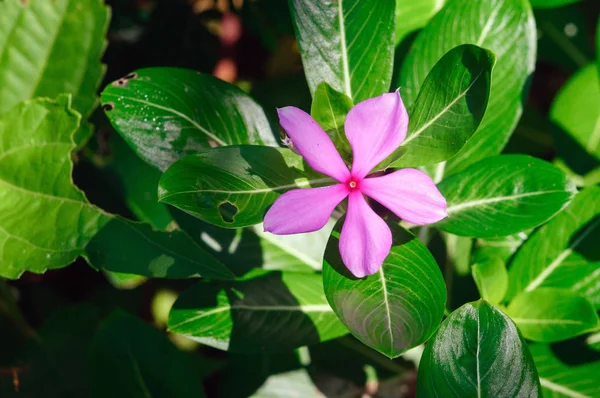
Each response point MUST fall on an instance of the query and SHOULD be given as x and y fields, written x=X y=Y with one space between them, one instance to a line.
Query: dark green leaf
x=549 y=314
x=551 y=3
x=348 y=44
x=130 y=358
x=562 y=252
x=449 y=107
x=477 y=352
x=329 y=108
x=168 y=113
x=503 y=195
x=272 y=311
x=398 y=307
x=45 y=221
x=50 y=48
x=505 y=27
x=233 y=186
x=576 y=109
x=491 y=279
x=412 y=15
x=562 y=380
x=134 y=248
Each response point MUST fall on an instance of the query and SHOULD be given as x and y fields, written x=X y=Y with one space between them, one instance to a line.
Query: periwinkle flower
x=375 y=128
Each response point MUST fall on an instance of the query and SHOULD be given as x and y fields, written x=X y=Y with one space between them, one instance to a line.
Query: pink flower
x=375 y=128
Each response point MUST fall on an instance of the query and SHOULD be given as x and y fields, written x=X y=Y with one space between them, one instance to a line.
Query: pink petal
x=409 y=193
x=313 y=143
x=303 y=210
x=365 y=240
x=375 y=128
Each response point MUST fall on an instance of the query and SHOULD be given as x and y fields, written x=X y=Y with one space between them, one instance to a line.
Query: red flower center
x=352 y=184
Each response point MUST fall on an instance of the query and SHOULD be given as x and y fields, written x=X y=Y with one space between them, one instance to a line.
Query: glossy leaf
x=491 y=279
x=133 y=356
x=272 y=311
x=50 y=48
x=576 y=109
x=329 y=108
x=134 y=248
x=551 y=3
x=549 y=314
x=503 y=195
x=556 y=254
x=45 y=221
x=563 y=380
x=395 y=309
x=413 y=15
x=233 y=186
x=477 y=352
x=449 y=107
x=347 y=44
x=505 y=27
x=168 y=113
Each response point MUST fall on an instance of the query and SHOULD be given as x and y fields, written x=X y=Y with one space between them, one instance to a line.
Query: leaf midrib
x=561 y=389
x=474 y=203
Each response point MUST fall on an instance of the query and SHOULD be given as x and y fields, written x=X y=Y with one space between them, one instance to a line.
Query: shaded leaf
x=477 y=352
x=398 y=307
x=267 y=311
x=233 y=186
x=168 y=113
x=347 y=44
x=503 y=195
x=551 y=3
x=549 y=314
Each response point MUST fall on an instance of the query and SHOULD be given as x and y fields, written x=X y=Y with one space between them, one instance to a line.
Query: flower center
x=352 y=184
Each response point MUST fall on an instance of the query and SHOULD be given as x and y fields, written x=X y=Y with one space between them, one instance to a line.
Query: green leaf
x=138 y=185
x=133 y=355
x=233 y=186
x=491 y=279
x=576 y=109
x=45 y=221
x=398 y=307
x=50 y=48
x=268 y=311
x=168 y=113
x=413 y=15
x=562 y=380
x=548 y=314
x=503 y=247
x=557 y=253
x=551 y=3
x=450 y=106
x=505 y=27
x=458 y=252
x=329 y=108
x=503 y=195
x=348 y=44
x=134 y=248
x=292 y=384
x=477 y=352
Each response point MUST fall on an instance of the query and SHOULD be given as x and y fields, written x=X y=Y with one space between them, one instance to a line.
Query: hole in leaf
x=131 y=76
x=228 y=211
x=109 y=106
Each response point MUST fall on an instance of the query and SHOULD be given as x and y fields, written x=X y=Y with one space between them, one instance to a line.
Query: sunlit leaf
x=491 y=279
x=412 y=15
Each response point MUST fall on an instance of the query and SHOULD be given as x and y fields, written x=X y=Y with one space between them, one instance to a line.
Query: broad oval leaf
x=272 y=311
x=132 y=355
x=548 y=314
x=45 y=221
x=477 y=352
x=503 y=195
x=491 y=279
x=52 y=47
x=507 y=28
x=134 y=248
x=233 y=186
x=412 y=15
x=563 y=380
x=398 y=307
x=348 y=44
x=564 y=252
x=450 y=106
x=576 y=109
x=168 y=113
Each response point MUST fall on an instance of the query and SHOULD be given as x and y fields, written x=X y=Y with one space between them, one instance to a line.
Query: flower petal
x=409 y=193
x=375 y=128
x=365 y=240
x=313 y=143
x=303 y=210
